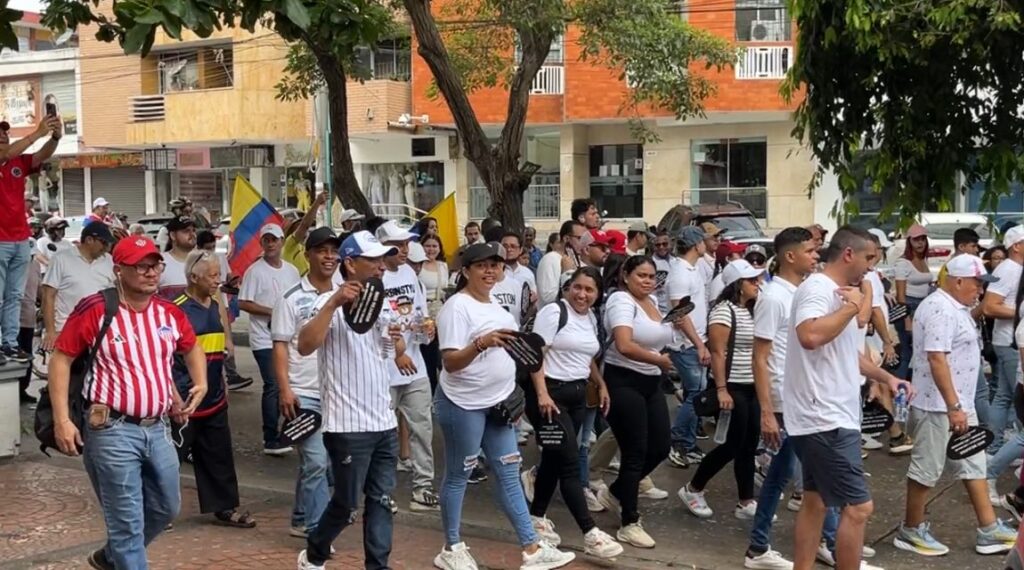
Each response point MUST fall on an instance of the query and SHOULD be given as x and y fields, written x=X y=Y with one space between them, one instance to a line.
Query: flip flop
x=234 y=518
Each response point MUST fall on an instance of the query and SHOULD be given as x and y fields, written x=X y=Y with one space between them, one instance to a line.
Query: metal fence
x=540 y=201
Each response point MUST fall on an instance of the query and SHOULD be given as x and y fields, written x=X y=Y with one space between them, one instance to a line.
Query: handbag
x=705 y=404
x=509 y=410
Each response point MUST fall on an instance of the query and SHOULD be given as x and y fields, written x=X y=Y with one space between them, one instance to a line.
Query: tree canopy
x=920 y=99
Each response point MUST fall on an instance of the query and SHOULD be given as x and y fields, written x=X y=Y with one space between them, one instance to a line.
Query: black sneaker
x=477 y=476
x=701 y=434
x=98 y=560
x=26 y=398
x=16 y=354
x=3 y=359
x=1013 y=504
x=276 y=449
x=239 y=382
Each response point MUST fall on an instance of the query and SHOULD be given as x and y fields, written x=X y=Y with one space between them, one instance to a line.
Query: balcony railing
x=550 y=80
x=400 y=70
x=147 y=108
x=764 y=62
x=540 y=201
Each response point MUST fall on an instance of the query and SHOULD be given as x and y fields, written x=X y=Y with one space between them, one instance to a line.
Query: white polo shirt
x=292 y=311
x=771 y=322
x=685 y=280
x=942 y=324
x=355 y=385
x=75 y=278
x=523 y=274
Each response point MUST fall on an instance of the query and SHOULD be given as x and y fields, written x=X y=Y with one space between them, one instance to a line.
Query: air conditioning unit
x=768 y=31
x=257 y=156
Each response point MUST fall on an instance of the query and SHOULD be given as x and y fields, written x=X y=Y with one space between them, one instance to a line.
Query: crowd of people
x=651 y=343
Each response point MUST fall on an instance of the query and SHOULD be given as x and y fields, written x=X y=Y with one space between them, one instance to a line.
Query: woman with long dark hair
x=557 y=398
x=913 y=283
x=476 y=381
x=731 y=340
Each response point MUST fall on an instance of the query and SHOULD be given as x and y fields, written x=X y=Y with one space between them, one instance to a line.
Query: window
x=423 y=146
x=555 y=56
x=389 y=59
x=196 y=69
x=731 y=170
x=762 y=21
x=617 y=179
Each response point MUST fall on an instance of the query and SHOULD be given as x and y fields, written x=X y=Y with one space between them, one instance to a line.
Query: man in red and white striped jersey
x=127 y=446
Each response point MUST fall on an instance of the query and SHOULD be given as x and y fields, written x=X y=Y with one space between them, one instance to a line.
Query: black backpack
x=81 y=372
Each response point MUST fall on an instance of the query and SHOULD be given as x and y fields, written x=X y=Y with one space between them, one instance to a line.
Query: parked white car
x=940 y=236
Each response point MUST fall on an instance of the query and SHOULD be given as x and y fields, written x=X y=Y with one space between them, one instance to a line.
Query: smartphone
x=51 y=109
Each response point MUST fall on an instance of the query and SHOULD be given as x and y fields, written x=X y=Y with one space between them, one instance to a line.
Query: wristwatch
x=957 y=407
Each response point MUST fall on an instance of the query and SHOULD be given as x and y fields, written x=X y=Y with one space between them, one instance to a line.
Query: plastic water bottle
x=387 y=344
x=902 y=410
x=722 y=429
x=419 y=329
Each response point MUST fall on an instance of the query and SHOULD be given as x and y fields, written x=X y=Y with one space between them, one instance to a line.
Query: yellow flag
x=447 y=224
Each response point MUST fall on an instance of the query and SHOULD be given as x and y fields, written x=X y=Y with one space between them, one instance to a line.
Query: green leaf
x=135 y=38
x=297 y=13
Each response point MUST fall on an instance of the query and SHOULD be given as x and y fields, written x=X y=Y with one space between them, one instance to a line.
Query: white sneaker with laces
x=869 y=443
x=795 y=502
x=600 y=544
x=455 y=558
x=546 y=557
x=695 y=502
x=824 y=555
x=593 y=505
x=654 y=493
x=304 y=564
x=546 y=530
x=770 y=560
x=528 y=478
x=746 y=512
x=635 y=535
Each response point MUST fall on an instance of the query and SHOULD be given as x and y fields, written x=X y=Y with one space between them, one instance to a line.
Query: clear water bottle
x=419 y=329
x=902 y=409
x=722 y=429
x=387 y=344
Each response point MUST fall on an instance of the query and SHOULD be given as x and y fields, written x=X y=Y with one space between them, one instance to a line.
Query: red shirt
x=13 y=225
x=132 y=371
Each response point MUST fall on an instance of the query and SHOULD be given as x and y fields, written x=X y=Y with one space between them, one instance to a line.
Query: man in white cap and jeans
x=263 y=284
x=1000 y=305
x=947 y=357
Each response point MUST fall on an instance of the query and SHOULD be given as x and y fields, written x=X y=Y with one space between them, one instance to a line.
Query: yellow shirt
x=295 y=253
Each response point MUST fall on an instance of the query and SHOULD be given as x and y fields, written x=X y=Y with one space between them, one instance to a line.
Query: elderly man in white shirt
x=74 y=274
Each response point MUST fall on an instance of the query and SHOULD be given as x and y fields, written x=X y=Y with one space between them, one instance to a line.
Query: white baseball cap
x=739 y=269
x=389 y=232
x=1013 y=236
x=350 y=216
x=363 y=244
x=883 y=240
x=416 y=252
x=272 y=229
x=966 y=265
x=101 y=201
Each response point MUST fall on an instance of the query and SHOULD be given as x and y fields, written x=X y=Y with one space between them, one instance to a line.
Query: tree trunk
x=343 y=177
x=506 y=191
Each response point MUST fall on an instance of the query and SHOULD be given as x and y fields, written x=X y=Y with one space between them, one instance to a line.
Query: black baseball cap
x=98 y=230
x=320 y=236
x=180 y=223
x=481 y=252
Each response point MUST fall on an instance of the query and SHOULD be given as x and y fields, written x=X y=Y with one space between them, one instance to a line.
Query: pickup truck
x=734 y=220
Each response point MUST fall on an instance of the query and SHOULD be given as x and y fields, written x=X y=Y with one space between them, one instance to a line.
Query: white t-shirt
x=404 y=295
x=75 y=278
x=622 y=310
x=43 y=249
x=570 y=350
x=706 y=265
x=687 y=280
x=172 y=281
x=822 y=386
x=523 y=274
x=771 y=322
x=715 y=288
x=292 y=311
x=263 y=285
x=511 y=294
x=918 y=282
x=491 y=376
x=1008 y=273
x=662 y=269
x=941 y=324
x=877 y=302
x=549 y=272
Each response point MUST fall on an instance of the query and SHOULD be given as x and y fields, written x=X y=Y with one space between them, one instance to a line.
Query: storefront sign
x=18 y=103
x=108 y=160
x=194 y=159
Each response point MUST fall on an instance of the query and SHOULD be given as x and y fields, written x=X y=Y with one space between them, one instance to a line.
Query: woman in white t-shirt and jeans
x=638 y=416
x=733 y=373
x=478 y=374
x=913 y=284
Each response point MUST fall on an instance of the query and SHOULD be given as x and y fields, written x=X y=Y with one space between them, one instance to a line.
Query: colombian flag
x=249 y=213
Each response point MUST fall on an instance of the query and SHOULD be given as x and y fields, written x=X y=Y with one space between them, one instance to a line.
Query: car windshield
x=945 y=231
x=737 y=226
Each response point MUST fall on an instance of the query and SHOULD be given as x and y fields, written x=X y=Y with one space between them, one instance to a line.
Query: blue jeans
x=134 y=471
x=981 y=405
x=364 y=465
x=780 y=472
x=691 y=374
x=271 y=396
x=311 y=486
x=584 y=440
x=14 y=258
x=465 y=432
x=906 y=348
x=1001 y=412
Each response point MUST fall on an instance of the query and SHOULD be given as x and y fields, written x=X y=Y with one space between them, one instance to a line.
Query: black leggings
x=740 y=444
x=560 y=465
x=639 y=419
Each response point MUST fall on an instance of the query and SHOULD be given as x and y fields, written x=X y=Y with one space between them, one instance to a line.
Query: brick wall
x=373 y=103
x=109 y=79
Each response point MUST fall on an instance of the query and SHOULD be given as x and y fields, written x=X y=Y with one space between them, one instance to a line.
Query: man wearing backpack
x=128 y=397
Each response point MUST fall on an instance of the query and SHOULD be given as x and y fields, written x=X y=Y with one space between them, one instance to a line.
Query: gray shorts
x=930 y=432
x=832 y=466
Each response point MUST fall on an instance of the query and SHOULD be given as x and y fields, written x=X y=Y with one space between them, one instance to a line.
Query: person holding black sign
x=947 y=356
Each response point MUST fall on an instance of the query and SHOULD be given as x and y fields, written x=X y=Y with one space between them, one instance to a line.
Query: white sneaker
x=635 y=535
x=795 y=502
x=597 y=484
x=600 y=544
x=405 y=465
x=524 y=425
x=654 y=493
x=824 y=555
x=304 y=564
x=593 y=505
x=613 y=465
x=746 y=512
x=868 y=552
x=770 y=560
x=993 y=494
x=546 y=557
x=546 y=530
x=695 y=502
x=458 y=558
x=605 y=497
x=528 y=478
x=870 y=443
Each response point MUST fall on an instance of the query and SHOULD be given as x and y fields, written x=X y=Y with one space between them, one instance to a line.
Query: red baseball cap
x=616 y=241
x=132 y=250
x=727 y=248
x=596 y=237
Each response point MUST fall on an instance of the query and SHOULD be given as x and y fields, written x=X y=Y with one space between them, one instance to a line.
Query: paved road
x=42 y=487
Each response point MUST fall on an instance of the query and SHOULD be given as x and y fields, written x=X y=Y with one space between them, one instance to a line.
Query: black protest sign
x=526 y=349
x=362 y=313
x=875 y=419
x=969 y=443
x=550 y=434
x=683 y=308
x=304 y=424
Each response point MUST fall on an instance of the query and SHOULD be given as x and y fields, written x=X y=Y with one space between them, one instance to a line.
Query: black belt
x=141 y=422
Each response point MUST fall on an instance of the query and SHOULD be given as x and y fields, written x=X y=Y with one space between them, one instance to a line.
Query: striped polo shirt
x=209 y=331
x=355 y=386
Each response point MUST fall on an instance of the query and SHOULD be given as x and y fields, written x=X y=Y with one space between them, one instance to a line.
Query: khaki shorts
x=930 y=432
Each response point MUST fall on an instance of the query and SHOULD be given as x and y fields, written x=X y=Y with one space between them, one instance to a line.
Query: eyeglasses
x=144 y=268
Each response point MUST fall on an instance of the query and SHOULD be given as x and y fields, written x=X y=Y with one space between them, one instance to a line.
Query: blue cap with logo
x=690 y=236
x=363 y=244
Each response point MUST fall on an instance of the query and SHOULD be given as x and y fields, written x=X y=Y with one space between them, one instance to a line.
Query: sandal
x=234 y=518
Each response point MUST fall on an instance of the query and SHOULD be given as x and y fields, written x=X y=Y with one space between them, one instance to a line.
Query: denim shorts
x=832 y=466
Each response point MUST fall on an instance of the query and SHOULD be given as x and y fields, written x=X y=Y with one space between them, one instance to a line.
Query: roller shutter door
x=73 y=180
x=124 y=188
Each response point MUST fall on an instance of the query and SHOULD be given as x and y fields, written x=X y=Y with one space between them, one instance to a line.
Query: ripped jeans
x=465 y=432
x=363 y=464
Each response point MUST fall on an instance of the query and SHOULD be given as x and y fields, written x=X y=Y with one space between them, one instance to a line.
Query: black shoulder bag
x=706 y=403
